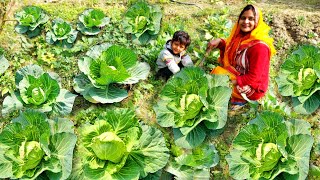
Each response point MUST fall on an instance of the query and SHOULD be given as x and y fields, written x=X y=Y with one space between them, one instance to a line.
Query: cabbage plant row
x=142 y=22
x=116 y=146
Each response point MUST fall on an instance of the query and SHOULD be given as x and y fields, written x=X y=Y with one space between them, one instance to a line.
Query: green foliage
x=92 y=21
x=38 y=90
x=300 y=78
x=301 y=20
x=217 y=26
x=193 y=103
x=30 y=19
x=270 y=148
x=4 y=63
x=61 y=34
x=249 y=1
x=102 y=67
x=142 y=21
x=32 y=145
x=194 y=164
x=116 y=146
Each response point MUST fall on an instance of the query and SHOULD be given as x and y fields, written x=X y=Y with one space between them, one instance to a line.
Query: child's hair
x=182 y=37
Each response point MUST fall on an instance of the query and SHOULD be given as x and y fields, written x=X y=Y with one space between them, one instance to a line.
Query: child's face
x=177 y=47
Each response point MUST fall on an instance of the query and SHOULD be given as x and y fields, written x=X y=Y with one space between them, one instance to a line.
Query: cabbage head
x=61 y=34
x=299 y=78
x=37 y=89
x=108 y=146
x=142 y=21
x=92 y=21
x=117 y=146
x=271 y=148
x=30 y=20
x=31 y=153
x=193 y=103
x=33 y=146
x=105 y=69
x=269 y=155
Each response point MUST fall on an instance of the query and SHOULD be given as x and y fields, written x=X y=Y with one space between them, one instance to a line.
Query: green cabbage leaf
x=193 y=104
x=39 y=90
x=117 y=146
x=30 y=20
x=142 y=21
x=299 y=78
x=104 y=69
x=271 y=148
x=33 y=146
x=91 y=21
x=61 y=34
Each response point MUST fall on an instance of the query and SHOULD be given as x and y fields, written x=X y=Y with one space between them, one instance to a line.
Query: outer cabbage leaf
x=144 y=149
x=193 y=103
x=142 y=21
x=61 y=34
x=299 y=78
x=150 y=153
x=38 y=90
x=194 y=164
x=269 y=147
x=30 y=20
x=104 y=69
x=92 y=21
x=31 y=149
x=307 y=104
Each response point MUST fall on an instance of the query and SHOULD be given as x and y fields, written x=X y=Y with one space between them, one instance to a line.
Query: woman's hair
x=182 y=37
x=247 y=8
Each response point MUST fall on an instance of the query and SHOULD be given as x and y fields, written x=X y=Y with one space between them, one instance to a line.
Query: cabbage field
x=79 y=97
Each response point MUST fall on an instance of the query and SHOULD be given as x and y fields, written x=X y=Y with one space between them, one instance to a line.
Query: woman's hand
x=213 y=44
x=244 y=89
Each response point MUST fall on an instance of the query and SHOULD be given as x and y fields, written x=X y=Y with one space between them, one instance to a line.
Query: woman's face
x=177 y=47
x=246 y=21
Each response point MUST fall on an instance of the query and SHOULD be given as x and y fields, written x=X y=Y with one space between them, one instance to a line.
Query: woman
x=245 y=56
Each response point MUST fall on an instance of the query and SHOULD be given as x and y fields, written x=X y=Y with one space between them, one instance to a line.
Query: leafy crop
x=271 y=148
x=92 y=21
x=33 y=146
x=116 y=146
x=195 y=164
x=217 y=26
x=104 y=68
x=37 y=89
x=4 y=63
x=30 y=19
x=61 y=34
x=193 y=103
x=142 y=21
x=300 y=78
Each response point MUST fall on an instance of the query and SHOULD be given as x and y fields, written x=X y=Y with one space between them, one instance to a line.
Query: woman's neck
x=243 y=34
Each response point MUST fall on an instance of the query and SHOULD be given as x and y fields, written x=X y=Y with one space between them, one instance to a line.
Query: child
x=173 y=56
